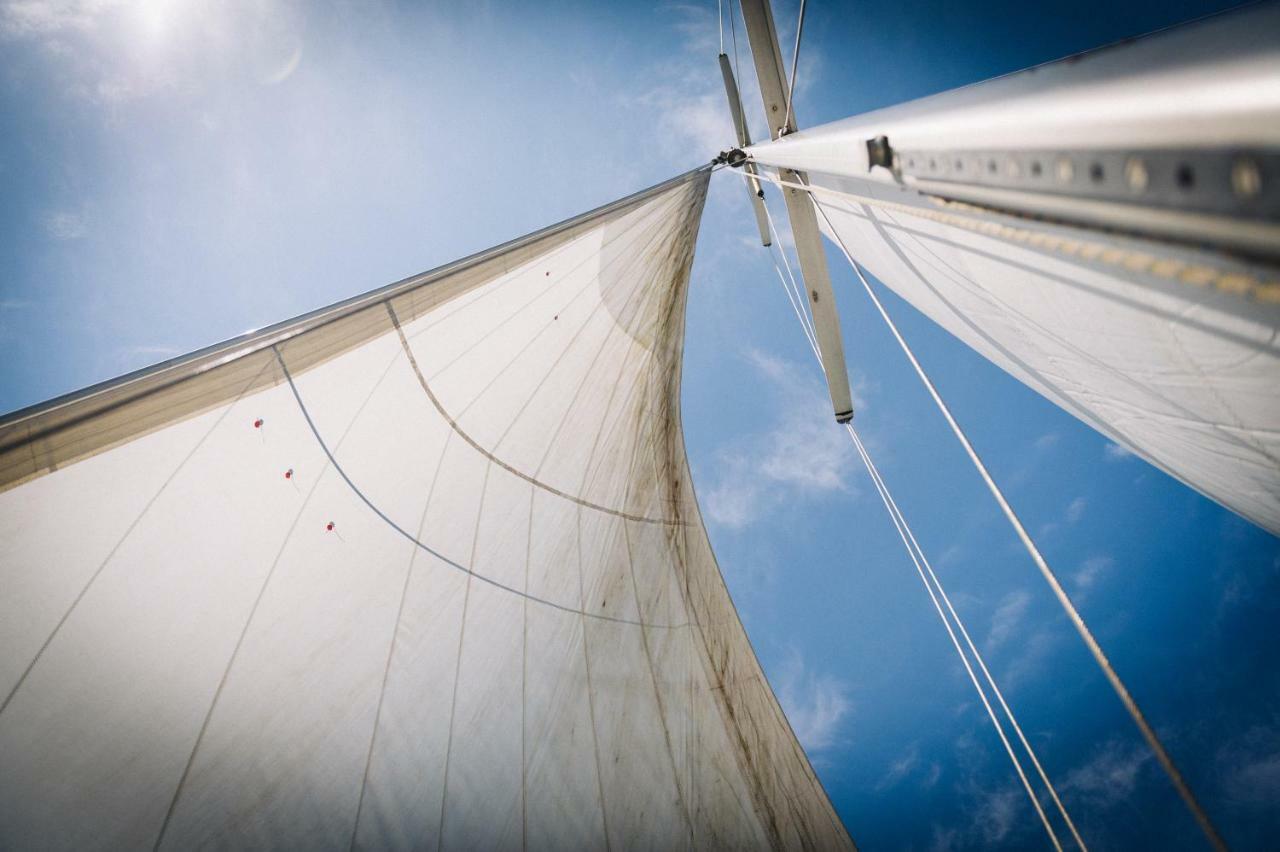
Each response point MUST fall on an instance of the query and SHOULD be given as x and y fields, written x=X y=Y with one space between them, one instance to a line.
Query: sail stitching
x=111 y=554
x=446 y=560
x=650 y=372
x=391 y=650
x=244 y=632
x=643 y=293
x=457 y=666
x=1246 y=442
x=653 y=227
x=454 y=425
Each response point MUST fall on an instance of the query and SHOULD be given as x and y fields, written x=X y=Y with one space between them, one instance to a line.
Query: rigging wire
x=899 y=525
x=733 y=33
x=795 y=61
x=794 y=292
x=946 y=599
x=916 y=554
x=1104 y=663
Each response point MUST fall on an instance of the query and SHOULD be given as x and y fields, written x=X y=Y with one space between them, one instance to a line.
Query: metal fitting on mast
x=800 y=208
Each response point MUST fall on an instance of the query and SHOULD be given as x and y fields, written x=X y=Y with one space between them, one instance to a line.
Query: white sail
x=513 y=635
x=1103 y=228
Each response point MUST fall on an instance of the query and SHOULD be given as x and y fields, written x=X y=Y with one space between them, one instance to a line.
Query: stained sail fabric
x=421 y=569
x=1105 y=229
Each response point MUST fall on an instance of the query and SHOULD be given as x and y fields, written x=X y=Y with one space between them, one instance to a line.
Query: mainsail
x=1102 y=228
x=424 y=568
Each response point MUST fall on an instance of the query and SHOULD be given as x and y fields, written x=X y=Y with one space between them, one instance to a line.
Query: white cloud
x=1076 y=510
x=1090 y=570
x=20 y=18
x=110 y=53
x=688 y=98
x=1047 y=440
x=1030 y=660
x=900 y=768
x=1007 y=618
x=997 y=813
x=1115 y=452
x=734 y=501
x=931 y=776
x=944 y=839
x=816 y=704
x=802 y=454
x=1109 y=777
x=1250 y=768
x=65 y=225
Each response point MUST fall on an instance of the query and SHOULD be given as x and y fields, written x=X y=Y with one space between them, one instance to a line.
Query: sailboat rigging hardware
x=804 y=223
x=1229 y=196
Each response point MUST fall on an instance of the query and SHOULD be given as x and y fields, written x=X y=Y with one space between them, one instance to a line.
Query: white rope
x=795 y=61
x=916 y=553
x=737 y=69
x=885 y=498
x=1072 y=613
x=797 y=296
x=946 y=599
x=809 y=334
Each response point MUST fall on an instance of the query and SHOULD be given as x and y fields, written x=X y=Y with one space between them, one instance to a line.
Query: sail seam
x=453 y=424
x=457 y=667
x=655 y=220
x=111 y=554
x=591 y=701
x=391 y=651
x=643 y=293
x=244 y=631
x=406 y=534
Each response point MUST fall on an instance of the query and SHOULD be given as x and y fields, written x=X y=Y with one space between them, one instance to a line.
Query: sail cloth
x=1104 y=229
x=421 y=569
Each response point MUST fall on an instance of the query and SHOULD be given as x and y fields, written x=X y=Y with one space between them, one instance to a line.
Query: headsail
x=1103 y=228
x=422 y=568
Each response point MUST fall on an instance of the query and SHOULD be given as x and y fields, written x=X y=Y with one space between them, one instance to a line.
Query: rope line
x=793 y=291
x=899 y=525
x=1148 y=733
x=916 y=554
x=973 y=649
x=795 y=61
x=737 y=69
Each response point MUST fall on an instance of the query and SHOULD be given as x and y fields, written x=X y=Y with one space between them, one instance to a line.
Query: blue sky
x=174 y=174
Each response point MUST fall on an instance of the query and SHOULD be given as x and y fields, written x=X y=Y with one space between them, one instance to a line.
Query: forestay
x=421 y=569
x=1105 y=229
